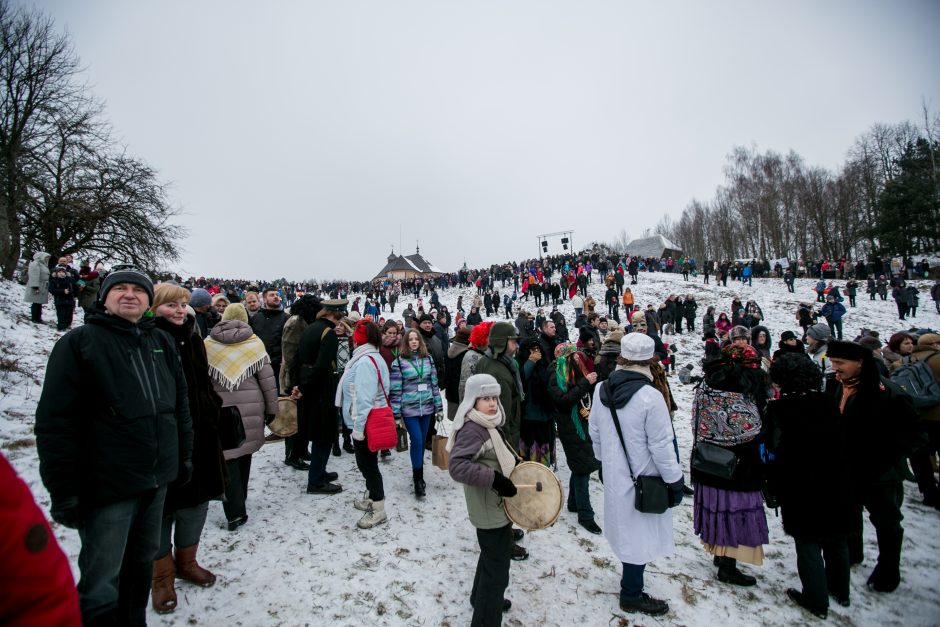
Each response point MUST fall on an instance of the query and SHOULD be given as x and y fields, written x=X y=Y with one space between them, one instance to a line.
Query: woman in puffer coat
x=186 y=506
x=242 y=375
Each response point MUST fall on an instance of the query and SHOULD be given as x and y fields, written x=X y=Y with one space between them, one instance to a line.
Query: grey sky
x=299 y=136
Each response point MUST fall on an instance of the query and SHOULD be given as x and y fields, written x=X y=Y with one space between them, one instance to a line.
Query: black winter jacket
x=578 y=453
x=268 y=325
x=113 y=419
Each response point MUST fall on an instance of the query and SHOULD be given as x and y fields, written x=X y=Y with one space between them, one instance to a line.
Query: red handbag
x=380 y=423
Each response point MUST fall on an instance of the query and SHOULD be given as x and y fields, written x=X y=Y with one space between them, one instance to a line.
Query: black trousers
x=35 y=312
x=492 y=576
x=236 y=492
x=921 y=465
x=368 y=464
x=883 y=502
x=823 y=568
x=64 y=313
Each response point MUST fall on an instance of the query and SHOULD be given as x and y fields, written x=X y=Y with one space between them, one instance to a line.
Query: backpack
x=918 y=381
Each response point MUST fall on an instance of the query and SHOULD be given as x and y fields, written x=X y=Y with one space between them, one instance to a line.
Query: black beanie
x=126 y=274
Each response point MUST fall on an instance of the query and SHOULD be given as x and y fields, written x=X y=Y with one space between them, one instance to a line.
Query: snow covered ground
x=301 y=561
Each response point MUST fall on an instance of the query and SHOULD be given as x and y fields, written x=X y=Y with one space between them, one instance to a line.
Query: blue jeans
x=631 y=582
x=417 y=433
x=579 y=497
x=120 y=541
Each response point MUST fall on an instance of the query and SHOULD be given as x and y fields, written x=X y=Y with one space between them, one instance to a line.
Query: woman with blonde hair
x=415 y=398
x=186 y=506
x=242 y=375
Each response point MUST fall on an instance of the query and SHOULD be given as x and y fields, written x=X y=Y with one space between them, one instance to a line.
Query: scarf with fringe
x=231 y=364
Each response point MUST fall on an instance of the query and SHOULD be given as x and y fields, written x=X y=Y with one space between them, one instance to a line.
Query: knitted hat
x=585 y=335
x=928 y=339
x=126 y=274
x=463 y=335
x=637 y=347
x=480 y=335
x=200 y=298
x=838 y=349
x=819 y=332
x=235 y=311
x=361 y=334
x=354 y=317
x=871 y=342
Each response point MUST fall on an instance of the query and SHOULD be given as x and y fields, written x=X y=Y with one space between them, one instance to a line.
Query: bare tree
x=619 y=243
x=37 y=69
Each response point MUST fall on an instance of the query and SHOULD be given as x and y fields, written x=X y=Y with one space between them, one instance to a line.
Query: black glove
x=269 y=418
x=502 y=485
x=675 y=492
x=185 y=473
x=66 y=512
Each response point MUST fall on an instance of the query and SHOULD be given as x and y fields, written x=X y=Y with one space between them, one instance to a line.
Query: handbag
x=231 y=428
x=651 y=495
x=711 y=459
x=439 y=456
x=380 y=423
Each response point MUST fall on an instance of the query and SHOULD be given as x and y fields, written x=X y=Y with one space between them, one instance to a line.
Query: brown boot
x=162 y=592
x=189 y=570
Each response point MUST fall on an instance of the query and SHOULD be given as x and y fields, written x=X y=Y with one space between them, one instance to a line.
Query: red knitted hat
x=360 y=335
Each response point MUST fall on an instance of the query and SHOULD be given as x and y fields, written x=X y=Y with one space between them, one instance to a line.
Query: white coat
x=635 y=538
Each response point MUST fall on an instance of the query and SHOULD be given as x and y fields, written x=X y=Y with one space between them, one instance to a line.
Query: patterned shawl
x=231 y=364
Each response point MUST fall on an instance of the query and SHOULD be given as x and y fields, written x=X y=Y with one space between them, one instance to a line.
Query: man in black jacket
x=113 y=430
x=883 y=431
x=316 y=383
x=268 y=325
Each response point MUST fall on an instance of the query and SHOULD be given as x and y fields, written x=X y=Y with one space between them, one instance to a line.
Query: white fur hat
x=637 y=347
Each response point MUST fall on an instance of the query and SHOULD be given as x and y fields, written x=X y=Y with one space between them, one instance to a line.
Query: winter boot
x=728 y=573
x=336 y=451
x=364 y=504
x=645 y=604
x=189 y=570
x=162 y=592
x=375 y=516
x=420 y=485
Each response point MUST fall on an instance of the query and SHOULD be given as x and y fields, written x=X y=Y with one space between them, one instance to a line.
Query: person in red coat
x=35 y=576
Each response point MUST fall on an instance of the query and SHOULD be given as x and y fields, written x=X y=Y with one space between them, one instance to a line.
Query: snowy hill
x=300 y=559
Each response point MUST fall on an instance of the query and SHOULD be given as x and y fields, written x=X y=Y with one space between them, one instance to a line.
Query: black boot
x=728 y=573
x=336 y=451
x=797 y=597
x=420 y=486
x=347 y=444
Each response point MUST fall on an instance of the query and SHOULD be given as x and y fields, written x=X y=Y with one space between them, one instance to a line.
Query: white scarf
x=507 y=461
x=643 y=370
x=360 y=352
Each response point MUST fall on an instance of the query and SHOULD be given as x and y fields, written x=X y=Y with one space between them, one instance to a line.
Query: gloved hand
x=359 y=436
x=269 y=418
x=675 y=492
x=66 y=512
x=185 y=473
x=502 y=485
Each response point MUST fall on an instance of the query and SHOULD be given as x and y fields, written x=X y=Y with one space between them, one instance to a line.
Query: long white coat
x=635 y=538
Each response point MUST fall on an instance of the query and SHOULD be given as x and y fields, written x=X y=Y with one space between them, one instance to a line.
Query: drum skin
x=530 y=508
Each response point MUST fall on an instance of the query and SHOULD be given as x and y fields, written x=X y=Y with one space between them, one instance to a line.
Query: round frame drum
x=534 y=508
x=285 y=424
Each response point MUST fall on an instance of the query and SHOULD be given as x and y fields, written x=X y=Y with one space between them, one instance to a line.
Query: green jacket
x=509 y=396
x=473 y=463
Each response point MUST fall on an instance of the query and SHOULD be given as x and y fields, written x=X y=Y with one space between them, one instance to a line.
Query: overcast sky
x=300 y=138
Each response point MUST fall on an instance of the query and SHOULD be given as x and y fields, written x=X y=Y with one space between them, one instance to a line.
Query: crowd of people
x=154 y=406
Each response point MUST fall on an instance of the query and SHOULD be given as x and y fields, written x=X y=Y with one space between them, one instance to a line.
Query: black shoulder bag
x=651 y=493
x=710 y=459
x=231 y=428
